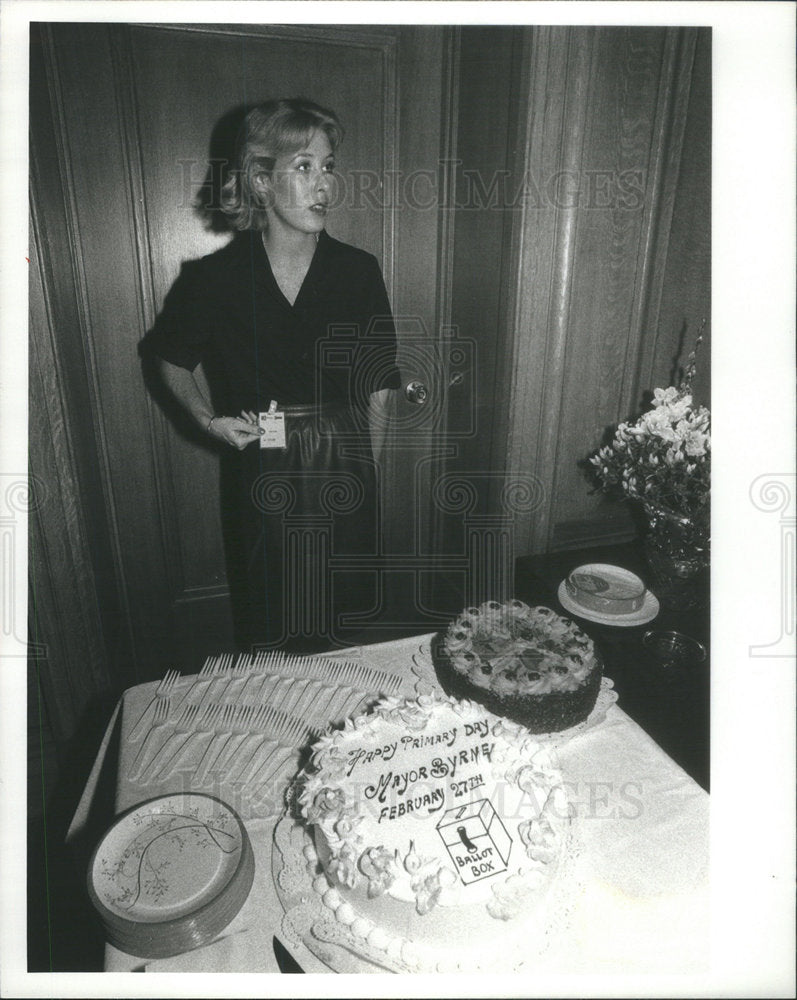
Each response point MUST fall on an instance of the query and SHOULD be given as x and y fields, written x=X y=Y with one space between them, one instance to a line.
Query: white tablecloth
x=643 y=827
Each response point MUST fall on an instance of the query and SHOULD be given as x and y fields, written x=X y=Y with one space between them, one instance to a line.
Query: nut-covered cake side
x=525 y=664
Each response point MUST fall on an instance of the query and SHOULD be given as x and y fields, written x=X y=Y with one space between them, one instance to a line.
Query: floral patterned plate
x=170 y=873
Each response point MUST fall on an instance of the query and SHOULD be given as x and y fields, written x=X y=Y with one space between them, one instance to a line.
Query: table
x=670 y=703
x=643 y=824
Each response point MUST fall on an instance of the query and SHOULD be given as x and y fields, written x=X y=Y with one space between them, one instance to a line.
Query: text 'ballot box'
x=476 y=839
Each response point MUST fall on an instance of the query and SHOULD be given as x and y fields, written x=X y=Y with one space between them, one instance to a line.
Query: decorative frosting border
x=350 y=930
x=520 y=759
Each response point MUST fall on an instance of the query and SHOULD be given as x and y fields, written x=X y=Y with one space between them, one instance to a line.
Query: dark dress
x=301 y=524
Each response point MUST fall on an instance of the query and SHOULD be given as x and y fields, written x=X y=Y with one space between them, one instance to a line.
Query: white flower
x=510 y=899
x=344 y=827
x=664 y=456
x=663 y=397
x=695 y=443
x=329 y=801
x=539 y=839
x=672 y=401
x=343 y=866
x=379 y=867
x=680 y=407
x=428 y=884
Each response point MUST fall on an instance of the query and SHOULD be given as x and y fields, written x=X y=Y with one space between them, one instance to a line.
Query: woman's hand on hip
x=237 y=432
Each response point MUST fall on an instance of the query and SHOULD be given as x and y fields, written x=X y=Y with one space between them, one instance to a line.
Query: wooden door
x=137 y=117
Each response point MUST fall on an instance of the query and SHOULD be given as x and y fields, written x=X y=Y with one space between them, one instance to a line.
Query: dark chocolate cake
x=526 y=664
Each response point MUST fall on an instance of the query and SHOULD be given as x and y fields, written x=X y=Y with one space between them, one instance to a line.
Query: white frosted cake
x=439 y=830
x=522 y=663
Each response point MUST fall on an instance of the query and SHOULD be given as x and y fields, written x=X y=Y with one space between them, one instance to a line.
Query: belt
x=312 y=409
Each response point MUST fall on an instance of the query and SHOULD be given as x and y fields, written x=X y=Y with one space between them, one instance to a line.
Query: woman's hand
x=234 y=431
x=237 y=432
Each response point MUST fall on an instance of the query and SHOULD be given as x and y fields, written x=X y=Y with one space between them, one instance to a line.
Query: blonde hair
x=269 y=130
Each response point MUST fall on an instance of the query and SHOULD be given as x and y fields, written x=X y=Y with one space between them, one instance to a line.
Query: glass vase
x=677 y=551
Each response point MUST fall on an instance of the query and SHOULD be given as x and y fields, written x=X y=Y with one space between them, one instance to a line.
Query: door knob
x=416 y=392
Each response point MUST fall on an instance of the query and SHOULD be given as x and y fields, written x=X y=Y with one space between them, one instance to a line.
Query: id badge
x=273 y=425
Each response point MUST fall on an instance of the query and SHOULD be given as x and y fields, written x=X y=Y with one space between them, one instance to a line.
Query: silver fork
x=223 y=728
x=343 y=672
x=305 y=697
x=297 y=697
x=266 y=659
x=224 y=663
x=356 y=703
x=239 y=759
x=338 y=699
x=246 y=673
x=288 y=733
x=275 y=759
x=163 y=689
x=160 y=720
x=205 y=674
x=205 y=724
x=240 y=730
x=268 y=686
x=182 y=730
x=279 y=692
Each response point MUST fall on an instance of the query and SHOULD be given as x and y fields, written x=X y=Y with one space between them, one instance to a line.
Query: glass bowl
x=674 y=648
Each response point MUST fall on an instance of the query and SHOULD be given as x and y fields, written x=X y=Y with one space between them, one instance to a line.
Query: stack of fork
x=242 y=722
x=321 y=689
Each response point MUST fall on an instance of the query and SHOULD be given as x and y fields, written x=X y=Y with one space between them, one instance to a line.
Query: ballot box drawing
x=476 y=840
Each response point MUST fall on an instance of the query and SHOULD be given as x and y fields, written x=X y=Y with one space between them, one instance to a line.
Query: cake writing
x=433 y=801
x=440 y=767
x=446 y=767
x=360 y=756
x=449 y=737
x=387 y=751
x=418 y=742
x=399 y=783
x=403 y=786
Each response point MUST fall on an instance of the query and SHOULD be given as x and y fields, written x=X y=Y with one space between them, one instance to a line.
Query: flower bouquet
x=663 y=460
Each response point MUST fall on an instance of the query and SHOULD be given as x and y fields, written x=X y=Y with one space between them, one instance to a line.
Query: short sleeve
x=184 y=325
x=377 y=357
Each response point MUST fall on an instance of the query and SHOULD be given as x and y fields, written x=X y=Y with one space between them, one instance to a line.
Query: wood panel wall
x=686 y=289
x=592 y=254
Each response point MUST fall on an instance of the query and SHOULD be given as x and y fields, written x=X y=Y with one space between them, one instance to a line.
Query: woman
x=295 y=333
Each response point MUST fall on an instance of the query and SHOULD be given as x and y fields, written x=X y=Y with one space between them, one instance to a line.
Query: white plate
x=645 y=614
x=166 y=858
